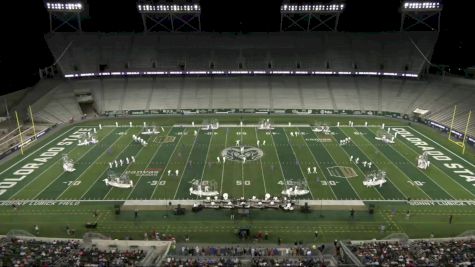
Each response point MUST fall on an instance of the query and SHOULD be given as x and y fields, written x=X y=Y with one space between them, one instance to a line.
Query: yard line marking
x=150 y=161
x=358 y=166
x=34 y=179
x=334 y=161
x=168 y=162
x=59 y=175
x=242 y=165
x=406 y=145
x=136 y=155
x=448 y=150
x=430 y=179
x=85 y=169
x=222 y=171
x=94 y=182
x=389 y=161
x=278 y=158
x=262 y=169
x=376 y=165
x=318 y=164
x=21 y=160
x=206 y=158
x=186 y=163
x=299 y=167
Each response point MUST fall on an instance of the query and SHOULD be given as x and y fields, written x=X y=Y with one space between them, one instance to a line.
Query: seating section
x=58 y=106
x=260 y=92
x=415 y=253
x=322 y=51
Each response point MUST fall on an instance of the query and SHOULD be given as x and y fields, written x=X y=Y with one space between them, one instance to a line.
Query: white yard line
x=186 y=163
x=376 y=165
x=446 y=149
x=262 y=169
x=47 y=169
x=57 y=177
x=278 y=160
x=206 y=158
x=166 y=166
x=222 y=171
x=151 y=158
x=320 y=168
x=242 y=165
x=331 y=156
x=100 y=175
x=300 y=168
x=26 y=157
x=399 y=170
x=406 y=145
x=430 y=179
x=130 y=165
x=358 y=166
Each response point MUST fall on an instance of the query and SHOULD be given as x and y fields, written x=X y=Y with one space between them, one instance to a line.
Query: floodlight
x=421 y=6
x=64 y=7
x=318 y=8
x=168 y=8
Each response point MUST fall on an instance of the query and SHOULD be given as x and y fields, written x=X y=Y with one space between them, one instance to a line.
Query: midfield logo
x=238 y=153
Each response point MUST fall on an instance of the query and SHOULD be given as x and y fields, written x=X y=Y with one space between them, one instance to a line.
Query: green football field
x=288 y=151
x=445 y=188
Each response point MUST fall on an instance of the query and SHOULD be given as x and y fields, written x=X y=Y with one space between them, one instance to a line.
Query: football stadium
x=181 y=146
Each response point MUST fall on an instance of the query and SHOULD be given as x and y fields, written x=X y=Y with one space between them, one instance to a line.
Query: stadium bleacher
x=391 y=52
x=323 y=51
x=332 y=93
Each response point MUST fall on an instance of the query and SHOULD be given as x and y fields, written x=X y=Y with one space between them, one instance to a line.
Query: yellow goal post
x=464 y=139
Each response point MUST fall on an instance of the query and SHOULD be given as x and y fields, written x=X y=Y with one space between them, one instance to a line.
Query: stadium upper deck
x=390 y=52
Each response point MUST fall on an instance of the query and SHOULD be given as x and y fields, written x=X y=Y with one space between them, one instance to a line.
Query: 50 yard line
x=262 y=169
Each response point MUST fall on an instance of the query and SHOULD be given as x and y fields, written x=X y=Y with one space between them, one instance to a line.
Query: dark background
x=24 y=49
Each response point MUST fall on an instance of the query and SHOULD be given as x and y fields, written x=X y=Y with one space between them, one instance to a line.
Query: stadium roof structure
x=328 y=53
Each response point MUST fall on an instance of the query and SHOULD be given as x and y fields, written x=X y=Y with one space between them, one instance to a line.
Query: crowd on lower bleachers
x=416 y=253
x=194 y=255
x=232 y=262
x=19 y=252
x=450 y=253
x=238 y=251
x=430 y=252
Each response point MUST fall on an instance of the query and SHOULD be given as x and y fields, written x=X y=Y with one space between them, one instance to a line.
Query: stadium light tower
x=422 y=14
x=310 y=17
x=166 y=16
x=62 y=15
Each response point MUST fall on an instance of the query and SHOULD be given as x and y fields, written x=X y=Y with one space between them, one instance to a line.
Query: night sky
x=26 y=50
